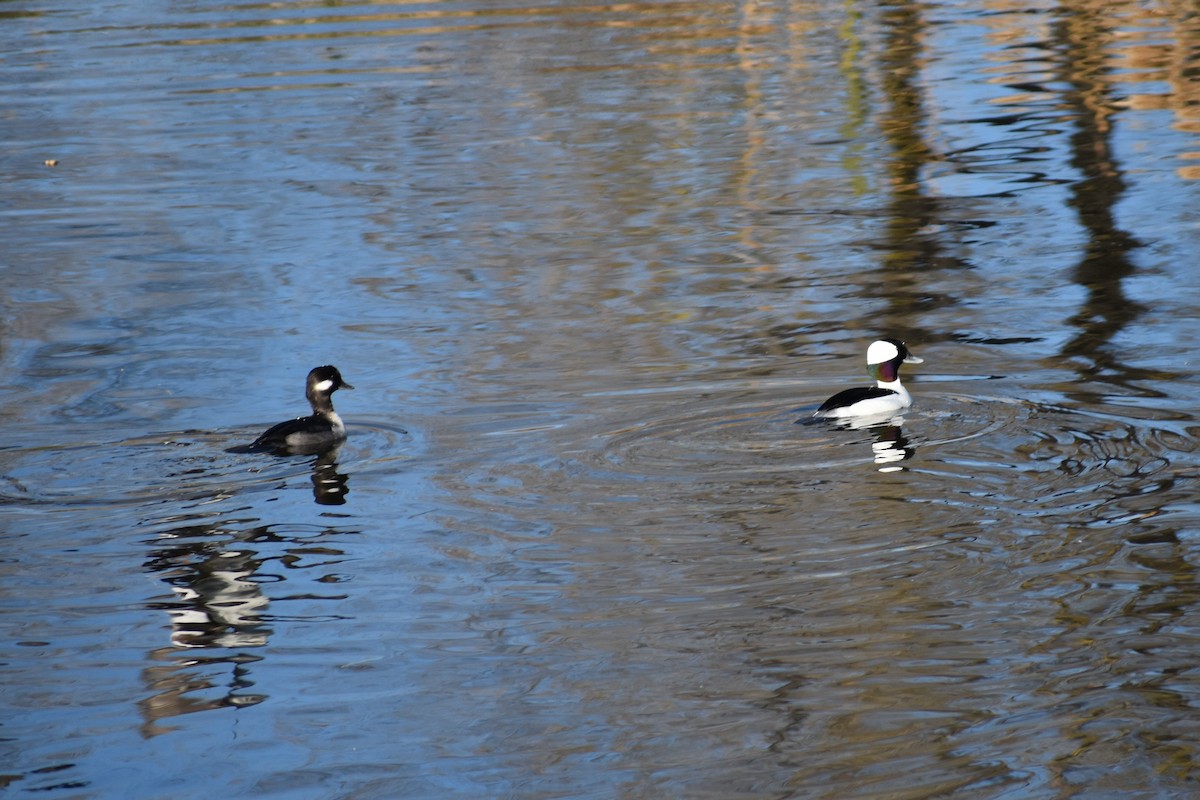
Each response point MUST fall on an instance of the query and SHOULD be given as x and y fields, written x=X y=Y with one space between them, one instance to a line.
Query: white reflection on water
x=588 y=265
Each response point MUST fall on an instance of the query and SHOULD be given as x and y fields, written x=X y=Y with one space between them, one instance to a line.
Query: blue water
x=585 y=266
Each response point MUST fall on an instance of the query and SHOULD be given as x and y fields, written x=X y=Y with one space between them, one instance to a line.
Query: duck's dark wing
x=275 y=437
x=849 y=397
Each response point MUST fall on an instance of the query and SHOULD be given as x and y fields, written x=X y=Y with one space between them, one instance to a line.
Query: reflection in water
x=218 y=602
x=218 y=605
x=178 y=687
x=330 y=487
x=915 y=219
x=217 y=575
x=598 y=249
x=1105 y=263
x=891 y=448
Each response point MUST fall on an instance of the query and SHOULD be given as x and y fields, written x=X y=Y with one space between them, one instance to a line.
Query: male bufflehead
x=887 y=397
x=319 y=430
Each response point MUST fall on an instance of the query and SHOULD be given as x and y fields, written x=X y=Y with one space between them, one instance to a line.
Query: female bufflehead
x=312 y=433
x=887 y=397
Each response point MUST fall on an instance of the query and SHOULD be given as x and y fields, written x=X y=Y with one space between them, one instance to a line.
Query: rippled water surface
x=586 y=266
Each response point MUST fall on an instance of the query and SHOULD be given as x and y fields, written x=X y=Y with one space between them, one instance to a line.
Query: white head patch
x=880 y=352
x=323 y=386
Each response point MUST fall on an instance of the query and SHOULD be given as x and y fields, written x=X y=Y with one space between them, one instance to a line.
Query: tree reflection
x=1083 y=33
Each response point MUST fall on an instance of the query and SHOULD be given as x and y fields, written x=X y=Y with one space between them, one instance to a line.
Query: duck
x=321 y=429
x=886 y=398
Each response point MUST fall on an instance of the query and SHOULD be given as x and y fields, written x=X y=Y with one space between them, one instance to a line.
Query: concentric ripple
x=187 y=465
x=753 y=433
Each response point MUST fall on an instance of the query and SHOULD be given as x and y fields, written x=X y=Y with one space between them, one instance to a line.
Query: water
x=586 y=264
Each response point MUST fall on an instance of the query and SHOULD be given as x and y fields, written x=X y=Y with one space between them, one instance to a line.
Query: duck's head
x=324 y=381
x=884 y=358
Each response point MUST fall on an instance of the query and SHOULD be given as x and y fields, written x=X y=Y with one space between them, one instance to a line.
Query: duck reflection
x=330 y=486
x=890 y=446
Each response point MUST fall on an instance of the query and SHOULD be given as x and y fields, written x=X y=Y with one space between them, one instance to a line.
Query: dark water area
x=586 y=265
